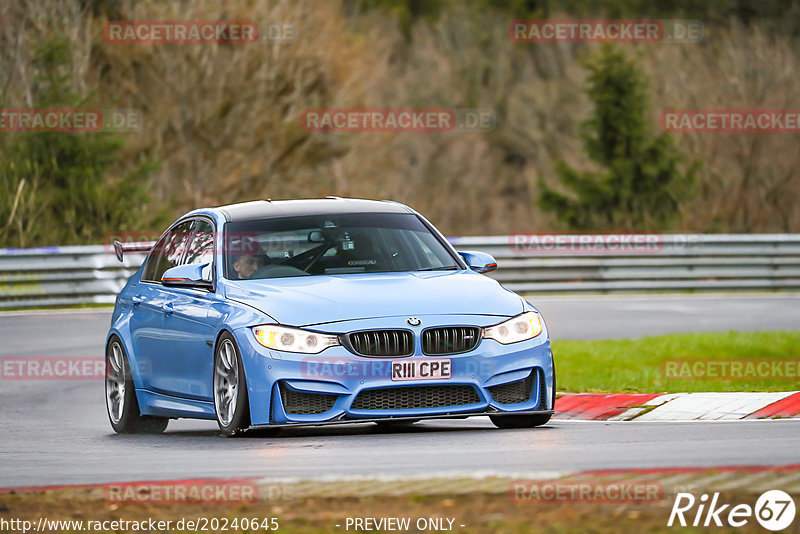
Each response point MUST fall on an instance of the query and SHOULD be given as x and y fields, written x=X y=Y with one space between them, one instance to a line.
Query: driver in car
x=246 y=257
x=245 y=265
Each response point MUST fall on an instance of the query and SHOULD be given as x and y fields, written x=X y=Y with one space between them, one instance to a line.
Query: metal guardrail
x=529 y=264
x=61 y=276
x=534 y=264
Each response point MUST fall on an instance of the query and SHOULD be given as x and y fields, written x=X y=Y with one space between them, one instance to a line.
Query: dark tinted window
x=148 y=274
x=201 y=248
x=332 y=244
x=168 y=252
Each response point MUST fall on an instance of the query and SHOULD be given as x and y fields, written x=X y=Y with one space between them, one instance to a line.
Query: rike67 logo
x=774 y=510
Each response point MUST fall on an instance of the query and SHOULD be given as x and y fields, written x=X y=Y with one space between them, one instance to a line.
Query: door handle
x=136 y=299
x=167 y=309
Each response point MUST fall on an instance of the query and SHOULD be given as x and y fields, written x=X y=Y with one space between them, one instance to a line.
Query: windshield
x=332 y=244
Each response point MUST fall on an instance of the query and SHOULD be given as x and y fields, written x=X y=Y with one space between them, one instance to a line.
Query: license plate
x=420 y=369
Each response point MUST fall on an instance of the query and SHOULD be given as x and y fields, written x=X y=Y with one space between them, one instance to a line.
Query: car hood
x=310 y=300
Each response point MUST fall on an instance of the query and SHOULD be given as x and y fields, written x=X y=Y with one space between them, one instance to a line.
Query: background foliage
x=641 y=184
x=221 y=122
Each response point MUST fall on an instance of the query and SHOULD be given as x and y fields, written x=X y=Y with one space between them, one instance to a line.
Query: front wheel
x=525 y=421
x=230 y=388
x=121 y=402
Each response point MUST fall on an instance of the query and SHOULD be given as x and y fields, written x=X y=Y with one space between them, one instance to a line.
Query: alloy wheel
x=226 y=382
x=115 y=382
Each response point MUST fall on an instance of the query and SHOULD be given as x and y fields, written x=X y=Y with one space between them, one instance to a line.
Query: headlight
x=293 y=339
x=525 y=326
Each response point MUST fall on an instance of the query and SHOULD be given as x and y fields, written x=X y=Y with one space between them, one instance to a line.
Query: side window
x=148 y=275
x=201 y=248
x=168 y=252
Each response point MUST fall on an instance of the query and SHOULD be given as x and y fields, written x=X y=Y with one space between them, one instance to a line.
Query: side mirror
x=190 y=276
x=480 y=262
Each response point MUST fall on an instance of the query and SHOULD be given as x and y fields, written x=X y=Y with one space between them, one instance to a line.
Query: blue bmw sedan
x=271 y=314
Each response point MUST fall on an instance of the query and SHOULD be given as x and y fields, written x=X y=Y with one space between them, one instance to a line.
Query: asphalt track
x=56 y=432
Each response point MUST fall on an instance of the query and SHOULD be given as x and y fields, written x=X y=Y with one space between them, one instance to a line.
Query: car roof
x=262 y=209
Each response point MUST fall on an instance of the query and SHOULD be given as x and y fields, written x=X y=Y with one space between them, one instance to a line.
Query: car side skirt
x=159 y=404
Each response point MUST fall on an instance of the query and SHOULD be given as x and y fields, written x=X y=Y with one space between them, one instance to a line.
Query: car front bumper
x=337 y=386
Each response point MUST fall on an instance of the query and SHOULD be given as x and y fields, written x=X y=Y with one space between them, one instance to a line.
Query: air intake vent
x=513 y=392
x=301 y=403
x=450 y=340
x=409 y=397
x=382 y=343
x=543 y=391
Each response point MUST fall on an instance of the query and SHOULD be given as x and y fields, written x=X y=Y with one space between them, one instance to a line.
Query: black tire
x=236 y=422
x=525 y=421
x=519 y=421
x=126 y=419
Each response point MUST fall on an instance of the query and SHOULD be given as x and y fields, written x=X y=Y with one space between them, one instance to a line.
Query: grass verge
x=726 y=361
x=477 y=512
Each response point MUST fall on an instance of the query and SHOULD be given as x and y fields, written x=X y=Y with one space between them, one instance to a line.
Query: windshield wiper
x=442 y=268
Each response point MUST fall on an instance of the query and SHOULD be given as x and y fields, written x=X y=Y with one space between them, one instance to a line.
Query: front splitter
x=345 y=421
